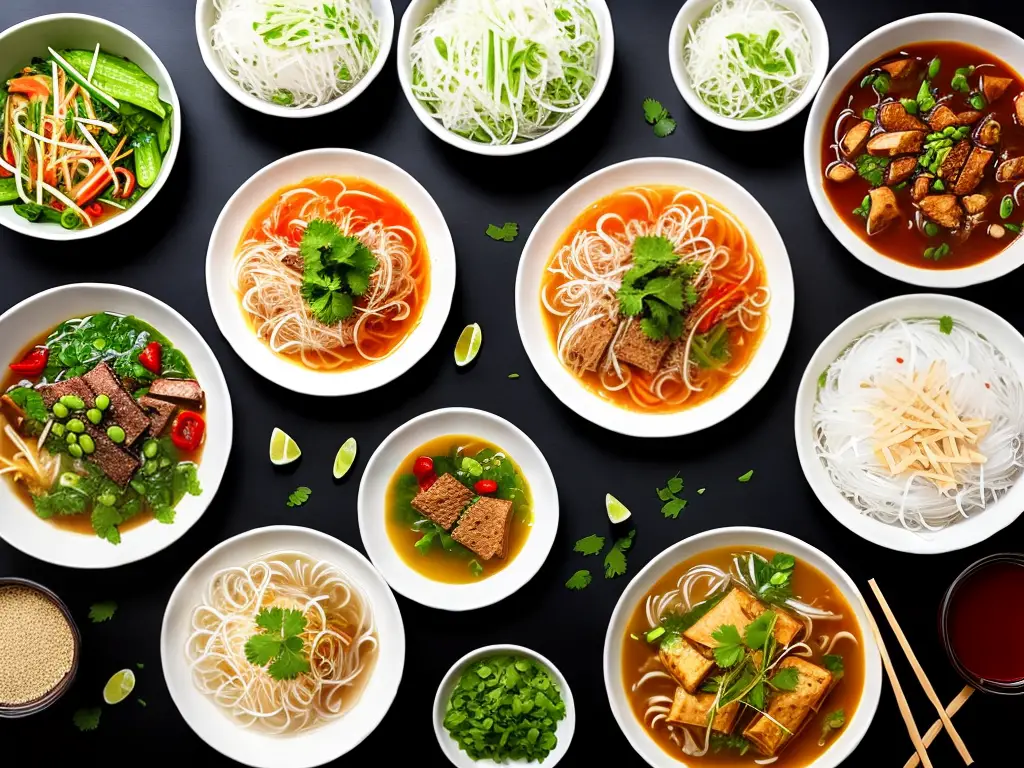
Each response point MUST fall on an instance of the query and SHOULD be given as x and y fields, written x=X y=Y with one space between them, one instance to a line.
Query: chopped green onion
x=655 y=633
x=1006 y=207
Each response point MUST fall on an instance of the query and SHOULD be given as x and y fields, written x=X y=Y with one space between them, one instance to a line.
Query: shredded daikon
x=505 y=71
x=748 y=59
x=296 y=53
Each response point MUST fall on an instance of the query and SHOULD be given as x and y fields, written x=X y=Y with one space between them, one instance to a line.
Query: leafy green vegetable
x=279 y=643
x=658 y=288
x=822 y=378
x=673 y=505
x=655 y=114
x=711 y=349
x=589 y=545
x=946 y=324
x=579 y=580
x=872 y=169
x=299 y=496
x=505 y=709
x=336 y=270
x=772 y=579
x=910 y=105
x=756 y=632
x=869 y=113
x=864 y=208
x=785 y=679
x=102 y=611
x=925 y=100
x=745 y=477
x=720 y=741
x=615 y=560
x=729 y=651
x=87 y=719
x=508 y=232
x=475 y=568
x=833 y=722
x=833 y=662
x=31 y=402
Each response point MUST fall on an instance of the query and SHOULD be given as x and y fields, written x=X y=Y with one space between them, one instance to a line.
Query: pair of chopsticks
x=920 y=745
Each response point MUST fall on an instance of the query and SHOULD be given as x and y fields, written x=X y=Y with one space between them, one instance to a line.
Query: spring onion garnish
x=748 y=59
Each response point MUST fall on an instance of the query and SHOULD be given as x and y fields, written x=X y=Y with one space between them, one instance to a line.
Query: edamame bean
x=95 y=415
x=150 y=467
x=115 y=433
x=100 y=344
x=60 y=410
x=73 y=402
x=76 y=425
x=102 y=402
x=75 y=450
x=57 y=430
x=87 y=444
x=71 y=439
x=150 y=449
x=107 y=499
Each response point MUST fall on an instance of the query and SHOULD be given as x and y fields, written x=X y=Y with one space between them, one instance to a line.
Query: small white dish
x=740 y=536
x=927 y=27
x=227 y=233
x=206 y=15
x=418 y=10
x=373 y=508
x=307 y=748
x=693 y=10
x=541 y=246
x=563 y=732
x=19 y=526
x=22 y=42
x=964 y=533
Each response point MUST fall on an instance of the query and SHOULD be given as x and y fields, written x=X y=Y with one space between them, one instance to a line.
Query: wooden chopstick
x=952 y=709
x=901 y=699
x=921 y=676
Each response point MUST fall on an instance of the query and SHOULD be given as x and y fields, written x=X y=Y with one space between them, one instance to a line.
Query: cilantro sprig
x=658 y=288
x=589 y=545
x=579 y=580
x=103 y=611
x=506 y=233
x=615 y=560
x=87 y=719
x=299 y=496
x=336 y=271
x=279 y=644
x=655 y=114
x=673 y=504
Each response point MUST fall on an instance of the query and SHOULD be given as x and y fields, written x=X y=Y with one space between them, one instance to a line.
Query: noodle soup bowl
x=250 y=745
x=615 y=677
x=532 y=316
x=978 y=525
x=231 y=226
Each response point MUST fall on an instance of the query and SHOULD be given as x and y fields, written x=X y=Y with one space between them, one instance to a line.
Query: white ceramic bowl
x=291 y=170
x=38 y=314
x=20 y=43
x=563 y=731
x=541 y=246
x=740 y=536
x=206 y=15
x=373 y=508
x=927 y=27
x=414 y=15
x=965 y=533
x=693 y=10
x=311 y=747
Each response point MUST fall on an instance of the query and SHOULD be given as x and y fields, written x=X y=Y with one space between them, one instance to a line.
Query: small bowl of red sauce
x=984 y=603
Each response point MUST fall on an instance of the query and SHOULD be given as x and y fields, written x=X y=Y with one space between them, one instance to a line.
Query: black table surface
x=163 y=252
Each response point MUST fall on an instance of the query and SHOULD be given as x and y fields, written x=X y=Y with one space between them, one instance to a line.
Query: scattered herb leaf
x=872 y=169
x=946 y=324
x=729 y=650
x=833 y=722
x=299 y=496
x=833 y=662
x=475 y=568
x=615 y=560
x=87 y=719
x=785 y=679
x=579 y=580
x=508 y=232
x=103 y=611
x=656 y=115
x=720 y=741
x=589 y=545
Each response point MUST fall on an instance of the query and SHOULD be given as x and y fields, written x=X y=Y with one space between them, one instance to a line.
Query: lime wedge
x=119 y=686
x=283 y=450
x=617 y=511
x=468 y=345
x=346 y=455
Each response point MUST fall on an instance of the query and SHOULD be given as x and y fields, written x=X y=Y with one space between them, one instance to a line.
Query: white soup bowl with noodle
x=327 y=562
x=836 y=444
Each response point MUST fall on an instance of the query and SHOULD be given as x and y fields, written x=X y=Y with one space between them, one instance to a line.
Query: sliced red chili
x=9 y=158
x=714 y=296
x=127 y=180
x=151 y=357
x=485 y=486
x=187 y=430
x=33 y=364
x=94 y=210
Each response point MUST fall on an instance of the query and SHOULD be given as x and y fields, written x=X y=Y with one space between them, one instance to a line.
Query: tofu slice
x=973 y=171
x=739 y=608
x=786 y=627
x=941 y=118
x=855 y=138
x=894 y=117
x=443 y=502
x=791 y=709
x=689 y=709
x=588 y=345
x=636 y=349
x=896 y=143
x=685 y=663
x=884 y=210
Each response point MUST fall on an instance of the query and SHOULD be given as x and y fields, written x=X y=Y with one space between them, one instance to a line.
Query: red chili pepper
x=485 y=486
x=9 y=158
x=57 y=205
x=427 y=480
x=423 y=465
x=127 y=180
x=94 y=210
x=33 y=363
x=710 y=300
x=150 y=357
x=187 y=430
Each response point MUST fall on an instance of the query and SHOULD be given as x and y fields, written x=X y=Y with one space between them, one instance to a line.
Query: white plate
x=206 y=15
x=21 y=43
x=563 y=731
x=637 y=735
x=541 y=246
x=924 y=28
x=373 y=508
x=414 y=16
x=965 y=533
x=39 y=314
x=291 y=170
x=304 y=749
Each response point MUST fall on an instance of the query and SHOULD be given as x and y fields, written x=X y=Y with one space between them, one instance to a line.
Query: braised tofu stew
x=102 y=425
x=923 y=155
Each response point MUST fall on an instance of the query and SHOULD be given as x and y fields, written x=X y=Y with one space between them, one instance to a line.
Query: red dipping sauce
x=985 y=602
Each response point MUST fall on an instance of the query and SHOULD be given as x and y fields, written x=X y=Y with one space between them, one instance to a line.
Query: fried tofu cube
x=790 y=709
x=922 y=185
x=944 y=210
x=690 y=709
x=685 y=663
x=588 y=344
x=894 y=117
x=975 y=204
x=486 y=528
x=942 y=117
x=994 y=87
x=855 y=139
x=739 y=608
x=443 y=502
x=970 y=117
x=840 y=172
x=896 y=143
x=636 y=348
x=884 y=210
x=973 y=171
x=786 y=627
x=1011 y=170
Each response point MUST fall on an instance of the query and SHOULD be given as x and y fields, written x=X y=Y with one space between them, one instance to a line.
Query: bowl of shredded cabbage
x=294 y=58
x=504 y=77
x=748 y=65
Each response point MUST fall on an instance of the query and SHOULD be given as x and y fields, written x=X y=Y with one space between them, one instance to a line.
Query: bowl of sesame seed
x=39 y=647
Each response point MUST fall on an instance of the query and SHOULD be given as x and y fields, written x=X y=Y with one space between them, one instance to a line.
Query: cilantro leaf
x=579 y=580
x=288 y=665
x=262 y=649
x=673 y=507
x=654 y=111
x=31 y=402
x=833 y=662
x=299 y=496
x=105 y=521
x=102 y=611
x=946 y=324
x=745 y=477
x=872 y=169
x=785 y=679
x=658 y=287
x=294 y=623
x=270 y=619
x=654 y=249
x=756 y=632
x=729 y=650
x=614 y=563
x=337 y=267
x=675 y=484
x=756 y=695
x=506 y=233
x=475 y=568
x=279 y=643
x=720 y=741
x=87 y=719
x=833 y=722
x=664 y=127
x=589 y=545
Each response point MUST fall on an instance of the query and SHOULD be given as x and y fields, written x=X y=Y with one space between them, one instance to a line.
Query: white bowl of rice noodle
x=909 y=423
x=353 y=642
x=504 y=77
x=294 y=58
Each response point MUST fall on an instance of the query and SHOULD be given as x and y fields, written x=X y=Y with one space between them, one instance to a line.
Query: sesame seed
x=37 y=645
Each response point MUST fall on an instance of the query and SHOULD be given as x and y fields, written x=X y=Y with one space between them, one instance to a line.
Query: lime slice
x=119 y=686
x=617 y=511
x=283 y=450
x=468 y=345
x=346 y=455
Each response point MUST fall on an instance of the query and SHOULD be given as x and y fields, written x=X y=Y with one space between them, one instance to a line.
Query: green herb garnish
x=658 y=288
x=869 y=113
x=720 y=741
x=833 y=722
x=785 y=679
x=729 y=650
x=31 y=402
x=946 y=324
x=579 y=580
x=669 y=495
x=925 y=100
x=615 y=560
x=337 y=270
x=279 y=643
x=508 y=232
x=872 y=170
x=513 y=376
x=833 y=662
x=102 y=611
x=87 y=719
x=475 y=568
x=299 y=496
x=655 y=114
x=589 y=545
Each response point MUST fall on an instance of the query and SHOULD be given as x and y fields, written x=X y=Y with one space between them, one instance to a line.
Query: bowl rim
x=998 y=265
x=211 y=485
x=57 y=233
x=574 y=395
x=440 y=249
x=965 y=533
x=564 y=730
x=867 y=705
x=817 y=32
x=216 y=69
x=391 y=604
x=606 y=55
x=441 y=595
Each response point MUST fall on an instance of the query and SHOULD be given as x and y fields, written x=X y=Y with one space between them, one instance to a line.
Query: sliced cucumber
x=8 y=190
x=147 y=159
x=122 y=79
x=163 y=134
x=84 y=84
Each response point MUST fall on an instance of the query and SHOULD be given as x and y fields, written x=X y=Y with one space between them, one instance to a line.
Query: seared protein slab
x=690 y=709
x=485 y=528
x=685 y=663
x=444 y=501
x=790 y=709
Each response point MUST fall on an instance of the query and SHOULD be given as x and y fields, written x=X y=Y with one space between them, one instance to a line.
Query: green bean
x=1006 y=207
x=60 y=410
x=115 y=433
x=102 y=402
x=933 y=68
x=87 y=444
x=95 y=415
